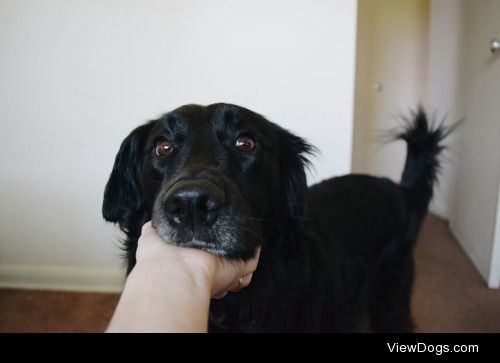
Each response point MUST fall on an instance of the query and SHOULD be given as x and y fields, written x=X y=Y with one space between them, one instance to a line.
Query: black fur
x=334 y=255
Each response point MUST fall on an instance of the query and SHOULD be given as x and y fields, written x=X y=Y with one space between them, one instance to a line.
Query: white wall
x=391 y=52
x=436 y=52
x=77 y=76
x=445 y=90
x=411 y=55
x=476 y=198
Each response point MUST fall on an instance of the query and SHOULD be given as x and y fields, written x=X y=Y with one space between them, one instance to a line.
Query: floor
x=449 y=296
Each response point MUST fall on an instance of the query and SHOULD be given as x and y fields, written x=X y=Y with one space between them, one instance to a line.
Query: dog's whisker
x=255 y=234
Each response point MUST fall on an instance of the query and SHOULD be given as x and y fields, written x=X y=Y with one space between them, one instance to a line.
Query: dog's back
x=365 y=229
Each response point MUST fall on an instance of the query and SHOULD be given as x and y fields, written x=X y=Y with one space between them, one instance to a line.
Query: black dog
x=224 y=179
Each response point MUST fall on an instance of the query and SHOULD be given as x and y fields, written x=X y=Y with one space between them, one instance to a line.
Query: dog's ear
x=293 y=164
x=123 y=194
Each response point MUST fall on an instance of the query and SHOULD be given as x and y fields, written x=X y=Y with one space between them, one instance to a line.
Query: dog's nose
x=192 y=202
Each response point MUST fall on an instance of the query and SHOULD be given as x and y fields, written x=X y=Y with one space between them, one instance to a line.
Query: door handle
x=494 y=45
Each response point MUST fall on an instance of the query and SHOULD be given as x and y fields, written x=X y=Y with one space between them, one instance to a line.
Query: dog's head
x=209 y=177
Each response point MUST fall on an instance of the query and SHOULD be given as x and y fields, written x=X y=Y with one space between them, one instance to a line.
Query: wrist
x=164 y=295
x=181 y=266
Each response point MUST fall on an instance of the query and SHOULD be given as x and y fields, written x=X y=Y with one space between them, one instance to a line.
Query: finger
x=237 y=285
x=220 y=296
x=247 y=279
x=147 y=227
x=241 y=283
x=251 y=265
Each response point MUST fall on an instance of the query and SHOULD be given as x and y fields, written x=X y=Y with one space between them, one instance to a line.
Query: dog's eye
x=245 y=143
x=164 y=148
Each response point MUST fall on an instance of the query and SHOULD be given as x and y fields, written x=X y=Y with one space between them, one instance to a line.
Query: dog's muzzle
x=207 y=213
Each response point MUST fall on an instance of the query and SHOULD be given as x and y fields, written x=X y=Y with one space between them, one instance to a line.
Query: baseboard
x=61 y=278
x=438 y=208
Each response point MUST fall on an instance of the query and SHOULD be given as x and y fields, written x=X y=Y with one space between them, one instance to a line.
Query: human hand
x=218 y=274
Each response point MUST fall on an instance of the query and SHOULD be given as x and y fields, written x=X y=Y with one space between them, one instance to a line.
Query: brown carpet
x=50 y=311
x=449 y=296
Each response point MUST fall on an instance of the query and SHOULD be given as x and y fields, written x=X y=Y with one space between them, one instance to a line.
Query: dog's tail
x=424 y=145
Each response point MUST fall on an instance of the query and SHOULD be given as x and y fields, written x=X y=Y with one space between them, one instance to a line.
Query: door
x=476 y=216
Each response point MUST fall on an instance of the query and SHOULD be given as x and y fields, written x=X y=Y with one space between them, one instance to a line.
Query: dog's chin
x=205 y=246
x=171 y=236
x=223 y=243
